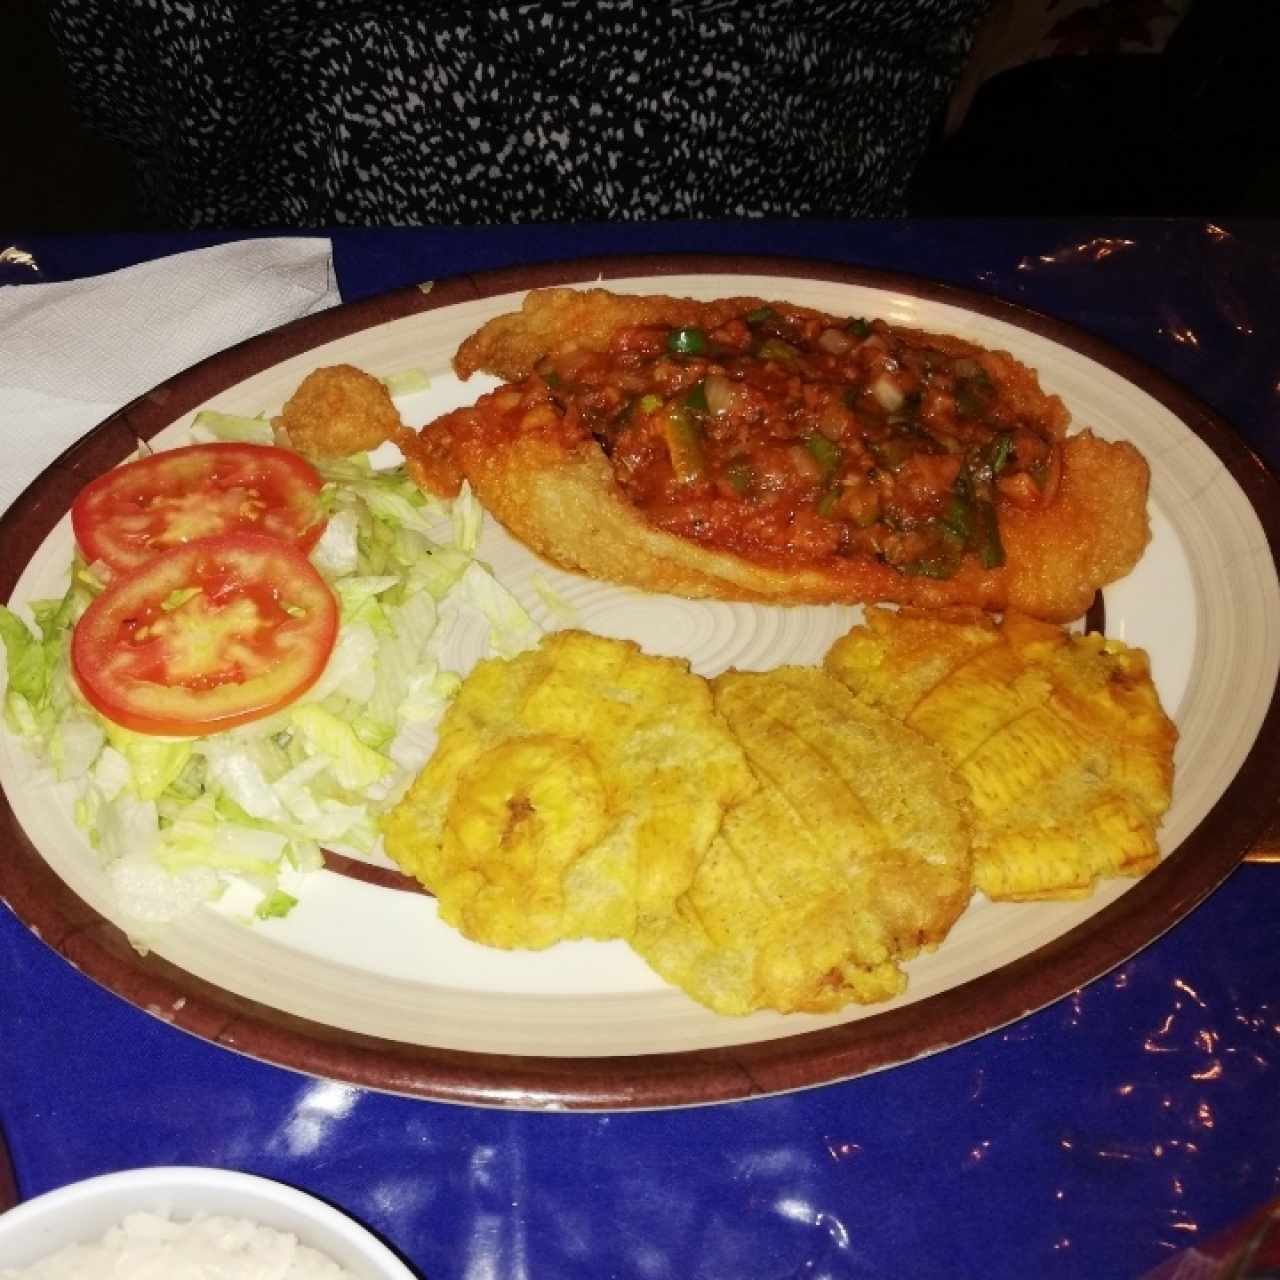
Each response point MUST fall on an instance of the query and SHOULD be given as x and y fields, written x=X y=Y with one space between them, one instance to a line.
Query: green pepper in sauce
x=986 y=535
x=970 y=515
x=697 y=398
x=690 y=341
x=860 y=506
x=684 y=444
x=973 y=394
x=968 y=403
x=777 y=349
x=999 y=452
x=893 y=452
x=959 y=515
x=941 y=566
x=823 y=452
x=942 y=560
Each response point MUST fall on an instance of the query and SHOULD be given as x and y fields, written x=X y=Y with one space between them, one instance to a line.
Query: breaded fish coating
x=1061 y=738
x=339 y=410
x=748 y=450
x=852 y=856
x=510 y=346
x=573 y=792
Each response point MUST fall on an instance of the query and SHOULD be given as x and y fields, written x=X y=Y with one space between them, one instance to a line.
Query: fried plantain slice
x=851 y=857
x=573 y=792
x=1061 y=739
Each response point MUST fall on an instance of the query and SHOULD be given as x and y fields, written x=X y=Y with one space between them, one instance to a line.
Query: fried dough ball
x=851 y=857
x=339 y=410
x=1061 y=738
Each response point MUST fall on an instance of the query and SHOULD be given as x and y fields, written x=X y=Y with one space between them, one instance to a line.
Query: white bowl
x=85 y=1211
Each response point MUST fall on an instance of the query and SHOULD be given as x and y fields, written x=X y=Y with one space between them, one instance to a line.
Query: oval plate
x=362 y=983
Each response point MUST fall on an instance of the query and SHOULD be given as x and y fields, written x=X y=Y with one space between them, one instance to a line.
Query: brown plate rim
x=8 y=1182
x=99 y=949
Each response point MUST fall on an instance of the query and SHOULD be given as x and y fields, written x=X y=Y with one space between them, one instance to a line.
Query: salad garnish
x=186 y=813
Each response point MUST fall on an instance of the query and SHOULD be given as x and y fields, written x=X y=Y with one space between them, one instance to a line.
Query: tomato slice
x=143 y=508
x=206 y=636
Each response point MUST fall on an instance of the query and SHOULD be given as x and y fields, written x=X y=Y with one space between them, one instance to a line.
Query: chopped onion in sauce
x=804 y=462
x=887 y=393
x=836 y=341
x=719 y=392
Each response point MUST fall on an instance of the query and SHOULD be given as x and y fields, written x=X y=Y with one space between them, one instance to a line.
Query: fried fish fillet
x=1061 y=738
x=851 y=857
x=546 y=475
x=573 y=792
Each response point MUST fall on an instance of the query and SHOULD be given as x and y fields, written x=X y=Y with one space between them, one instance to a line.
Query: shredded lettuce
x=238 y=819
x=467 y=514
x=511 y=629
x=153 y=762
x=76 y=742
x=27 y=662
x=39 y=694
x=337 y=553
x=276 y=903
x=407 y=382
x=354 y=765
x=208 y=424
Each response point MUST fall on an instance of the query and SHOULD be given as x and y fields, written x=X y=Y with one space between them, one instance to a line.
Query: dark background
x=56 y=175
x=1191 y=130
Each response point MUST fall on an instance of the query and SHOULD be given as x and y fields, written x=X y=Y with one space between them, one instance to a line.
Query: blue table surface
x=1092 y=1139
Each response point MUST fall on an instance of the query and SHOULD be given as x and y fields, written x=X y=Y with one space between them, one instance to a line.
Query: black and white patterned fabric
x=386 y=112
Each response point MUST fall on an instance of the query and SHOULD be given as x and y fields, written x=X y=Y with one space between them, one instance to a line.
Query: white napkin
x=74 y=352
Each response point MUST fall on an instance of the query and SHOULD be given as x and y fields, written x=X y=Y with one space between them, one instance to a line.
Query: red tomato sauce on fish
x=792 y=437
